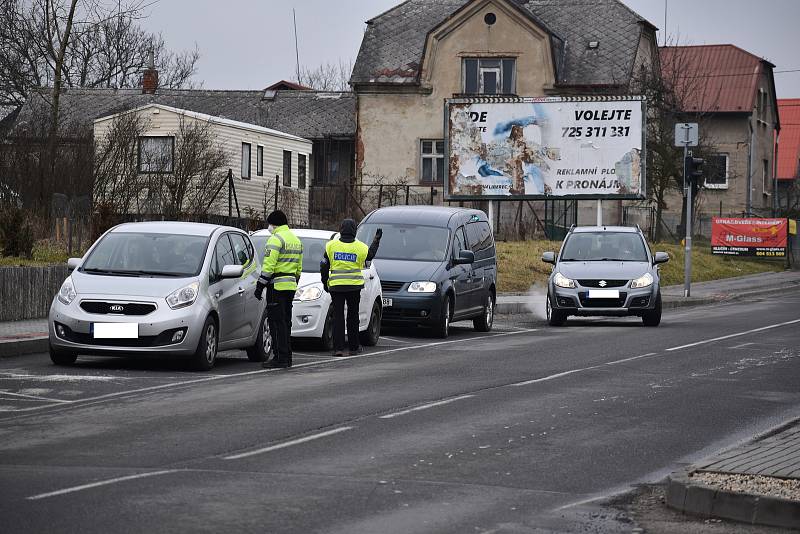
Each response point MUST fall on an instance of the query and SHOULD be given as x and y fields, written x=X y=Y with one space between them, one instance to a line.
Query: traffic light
x=694 y=169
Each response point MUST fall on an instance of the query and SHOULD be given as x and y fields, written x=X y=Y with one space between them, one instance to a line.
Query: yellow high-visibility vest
x=347 y=260
x=283 y=259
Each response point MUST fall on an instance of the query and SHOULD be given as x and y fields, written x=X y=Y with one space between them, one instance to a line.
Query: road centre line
x=426 y=406
x=738 y=334
x=573 y=371
x=289 y=443
x=98 y=484
x=110 y=396
x=395 y=339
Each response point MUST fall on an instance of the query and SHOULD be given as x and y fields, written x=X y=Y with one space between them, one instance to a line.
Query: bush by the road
x=520 y=264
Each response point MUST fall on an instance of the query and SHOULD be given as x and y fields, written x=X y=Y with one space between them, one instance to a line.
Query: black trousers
x=352 y=297
x=279 y=317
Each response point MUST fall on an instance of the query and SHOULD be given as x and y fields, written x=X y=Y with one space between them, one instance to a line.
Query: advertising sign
x=544 y=148
x=763 y=238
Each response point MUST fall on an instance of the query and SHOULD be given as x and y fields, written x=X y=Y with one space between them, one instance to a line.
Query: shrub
x=16 y=232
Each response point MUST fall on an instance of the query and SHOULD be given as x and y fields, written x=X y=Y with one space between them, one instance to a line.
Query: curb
x=21 y=347
x=707 y=502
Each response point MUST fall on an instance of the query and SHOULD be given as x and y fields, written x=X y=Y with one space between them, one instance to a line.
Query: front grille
x=402 y=313
x=161 y=340
x=391 y=287
x=586 y=302
x=608 y=283
x=112 y=308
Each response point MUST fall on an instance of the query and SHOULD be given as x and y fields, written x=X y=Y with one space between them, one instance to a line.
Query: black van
x=437 y=265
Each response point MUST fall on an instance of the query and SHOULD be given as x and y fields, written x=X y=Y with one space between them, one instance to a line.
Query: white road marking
x=573 y=371
x=98 y=484
x=395 y=339
x=743 y=345
x=738 y=334
x=35 y=397
x=289 y=443
x=110 y=396
x=61 y=378
x=426 y=406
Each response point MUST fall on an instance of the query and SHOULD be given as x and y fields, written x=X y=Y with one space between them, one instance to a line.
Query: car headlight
x=562 y=281
x=643 y=281
x=67 y=292
x=422 y=287
x=307 y=293
x=183 y=297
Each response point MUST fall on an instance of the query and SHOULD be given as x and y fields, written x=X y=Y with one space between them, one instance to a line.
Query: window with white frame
x=156 y=154
x=717 y=172
x=246 y=161
x=432 y=161
x=489 y=76
x=259 y=160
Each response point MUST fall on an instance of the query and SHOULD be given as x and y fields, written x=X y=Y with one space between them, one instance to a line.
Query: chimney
x=150 y=77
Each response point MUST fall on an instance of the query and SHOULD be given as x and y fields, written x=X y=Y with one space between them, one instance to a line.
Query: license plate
x=387 y=303
x=115 y=330
x=603 y=293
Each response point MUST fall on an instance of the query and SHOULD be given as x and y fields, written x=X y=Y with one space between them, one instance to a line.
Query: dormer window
x=489 y=76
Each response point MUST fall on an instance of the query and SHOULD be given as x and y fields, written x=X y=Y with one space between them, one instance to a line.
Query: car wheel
x=326 y=341
x=262 y=349
x=486 y=320
x=370 y=336
x=653 y=317
x=554 y=317
x=59 y=357
x=206 y=353
x=442 y=328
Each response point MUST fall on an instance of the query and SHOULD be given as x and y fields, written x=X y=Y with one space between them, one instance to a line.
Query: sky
x=250 y=44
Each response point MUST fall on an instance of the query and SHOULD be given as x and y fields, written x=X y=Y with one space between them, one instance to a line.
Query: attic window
x=489 y=76
x=490 y=19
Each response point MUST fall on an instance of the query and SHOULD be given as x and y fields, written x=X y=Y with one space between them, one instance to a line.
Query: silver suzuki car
x=170 y=288
x=606 y=270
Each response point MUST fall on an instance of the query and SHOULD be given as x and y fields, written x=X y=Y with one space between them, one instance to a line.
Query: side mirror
x=549 y=257
x=660 y=257
x=73 y=263
x=232 y=271
x=466 y=257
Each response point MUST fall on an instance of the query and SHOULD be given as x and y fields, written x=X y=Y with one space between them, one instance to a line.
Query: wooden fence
x=27 y=292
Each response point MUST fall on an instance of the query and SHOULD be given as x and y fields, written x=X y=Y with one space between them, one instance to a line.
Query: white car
x=312 y=316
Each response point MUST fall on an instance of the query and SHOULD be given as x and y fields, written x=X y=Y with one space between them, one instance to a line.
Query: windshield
x=313 y=250
x=146 y=254
x=408 y=241
x=604 y=246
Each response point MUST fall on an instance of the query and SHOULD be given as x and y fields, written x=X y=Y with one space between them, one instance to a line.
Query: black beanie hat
x=348 y=228
x=277 y=218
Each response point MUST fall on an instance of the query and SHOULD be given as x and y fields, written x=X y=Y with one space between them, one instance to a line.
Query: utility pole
x=688 y=134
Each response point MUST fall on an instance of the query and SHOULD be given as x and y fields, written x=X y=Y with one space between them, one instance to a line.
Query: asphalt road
x=520 y=430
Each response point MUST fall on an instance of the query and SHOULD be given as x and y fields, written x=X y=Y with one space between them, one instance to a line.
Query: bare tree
x=669 y=91
x=327 y=76
x=81 y=44
x=117 y=186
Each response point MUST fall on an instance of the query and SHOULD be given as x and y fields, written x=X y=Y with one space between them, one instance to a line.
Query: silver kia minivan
x=171 y=288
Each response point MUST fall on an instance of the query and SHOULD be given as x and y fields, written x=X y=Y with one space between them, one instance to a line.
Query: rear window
x=313 y=250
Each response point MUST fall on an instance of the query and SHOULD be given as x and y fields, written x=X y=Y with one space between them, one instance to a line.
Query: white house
x=258 y=158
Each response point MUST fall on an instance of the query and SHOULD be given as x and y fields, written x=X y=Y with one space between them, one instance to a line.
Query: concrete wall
x=250 y=193
x=391 y=125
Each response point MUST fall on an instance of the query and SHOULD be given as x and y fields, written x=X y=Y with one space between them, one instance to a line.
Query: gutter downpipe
x=775 y=201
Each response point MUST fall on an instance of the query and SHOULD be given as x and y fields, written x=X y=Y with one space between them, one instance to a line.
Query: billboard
x=762 y=238
x=544 y=148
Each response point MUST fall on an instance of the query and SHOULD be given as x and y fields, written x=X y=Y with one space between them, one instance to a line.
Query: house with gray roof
x=421 y=52
x=327 y=119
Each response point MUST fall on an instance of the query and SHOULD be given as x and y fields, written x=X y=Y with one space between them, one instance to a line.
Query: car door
x=460 y=274
x=225 y=292
x=251 y=307
x=479 y=236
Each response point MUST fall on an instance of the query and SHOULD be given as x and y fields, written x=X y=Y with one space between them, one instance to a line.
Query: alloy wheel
x=266 y=337
x=211 y=343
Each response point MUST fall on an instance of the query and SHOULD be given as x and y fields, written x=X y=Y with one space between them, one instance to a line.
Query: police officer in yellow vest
x=280 y=272
x=341 y=267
